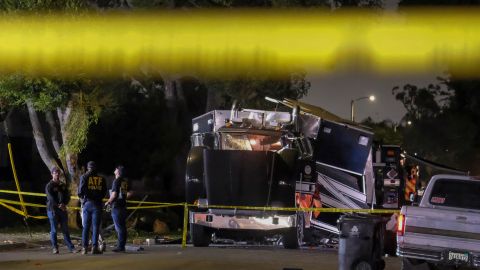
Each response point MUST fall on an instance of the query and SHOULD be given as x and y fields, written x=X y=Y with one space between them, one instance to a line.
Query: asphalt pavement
x=175 y=257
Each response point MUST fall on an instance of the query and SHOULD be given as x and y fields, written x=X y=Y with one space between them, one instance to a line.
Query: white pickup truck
x=443 y=232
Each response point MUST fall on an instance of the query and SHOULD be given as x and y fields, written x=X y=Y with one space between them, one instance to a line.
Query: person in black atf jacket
x=119 y=194
x=91 y=191
x=57 y=201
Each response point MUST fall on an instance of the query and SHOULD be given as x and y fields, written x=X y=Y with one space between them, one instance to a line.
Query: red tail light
x=401 y=225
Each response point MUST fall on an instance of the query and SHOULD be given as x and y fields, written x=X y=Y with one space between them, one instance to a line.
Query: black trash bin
x=361 y=242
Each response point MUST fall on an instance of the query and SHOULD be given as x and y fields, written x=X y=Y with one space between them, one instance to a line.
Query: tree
x=250 y=90
x=61 y=113
x=445 y=127
x=61 y=110
x=421 y=102
x=386 y=131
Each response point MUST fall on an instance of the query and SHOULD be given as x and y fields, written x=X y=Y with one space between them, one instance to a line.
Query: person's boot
x=55 y=250
x=84 y=251
x=118 y=250
x=103 y=246
x=95 y=250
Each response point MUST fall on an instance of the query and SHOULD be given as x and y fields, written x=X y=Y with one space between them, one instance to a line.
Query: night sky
x=334 y=92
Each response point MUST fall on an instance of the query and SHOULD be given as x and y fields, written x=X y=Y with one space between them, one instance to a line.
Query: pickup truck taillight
x=401 y=225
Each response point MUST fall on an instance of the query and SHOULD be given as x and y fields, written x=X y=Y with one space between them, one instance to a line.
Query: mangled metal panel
x=214 y=120
x=343 y=147
x=309 y=125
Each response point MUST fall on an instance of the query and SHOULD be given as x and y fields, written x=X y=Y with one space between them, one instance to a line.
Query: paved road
x=174 y=257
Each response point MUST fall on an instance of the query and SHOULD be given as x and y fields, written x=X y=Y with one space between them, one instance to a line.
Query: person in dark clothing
x=118 y=200
x=91 y=191
x=57 y=200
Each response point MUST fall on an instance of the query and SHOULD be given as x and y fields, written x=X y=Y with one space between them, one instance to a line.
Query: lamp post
x=352 y=105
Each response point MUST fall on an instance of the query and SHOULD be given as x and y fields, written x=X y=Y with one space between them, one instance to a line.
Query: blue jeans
x=55 y=217
x=92 y=213
x=119 y=215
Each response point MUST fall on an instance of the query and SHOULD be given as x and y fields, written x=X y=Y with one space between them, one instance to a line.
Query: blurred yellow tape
x=223 y=43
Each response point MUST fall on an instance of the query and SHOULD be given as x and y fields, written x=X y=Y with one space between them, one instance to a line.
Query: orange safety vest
x=410 y=185
x=309 y=201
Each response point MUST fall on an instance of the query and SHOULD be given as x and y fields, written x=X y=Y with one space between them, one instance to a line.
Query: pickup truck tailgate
x=441 y=228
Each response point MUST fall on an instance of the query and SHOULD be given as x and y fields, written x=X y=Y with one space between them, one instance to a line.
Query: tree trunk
x=70 y=162
x=5 y=123
x=39 y=137
x=56 y=141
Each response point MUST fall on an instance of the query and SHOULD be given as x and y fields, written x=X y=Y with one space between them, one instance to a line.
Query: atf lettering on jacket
x=94 y=183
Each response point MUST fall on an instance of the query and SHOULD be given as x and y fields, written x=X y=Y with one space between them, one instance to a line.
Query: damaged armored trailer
x=254 y=158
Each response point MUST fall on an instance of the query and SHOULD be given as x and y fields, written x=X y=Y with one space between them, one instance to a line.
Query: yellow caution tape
x=24 y=203
x=11 y=208
x=185 y=225
x=156 y=206
x=23 y=193
x=76 y=197
x=235 y=207
x=16 y=180
x=157 y=203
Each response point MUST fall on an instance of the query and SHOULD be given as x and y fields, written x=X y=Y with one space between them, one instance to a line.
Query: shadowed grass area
x=40 y=234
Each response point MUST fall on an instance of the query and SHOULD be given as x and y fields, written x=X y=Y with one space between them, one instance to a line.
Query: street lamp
x=352 y=105
x=408 y=123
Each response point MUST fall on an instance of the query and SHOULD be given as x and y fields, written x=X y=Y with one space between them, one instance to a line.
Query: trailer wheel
x=200 y=235
x=293 y=239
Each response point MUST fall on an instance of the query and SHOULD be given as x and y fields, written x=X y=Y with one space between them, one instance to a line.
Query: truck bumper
x=433 y=254
x=235 y=222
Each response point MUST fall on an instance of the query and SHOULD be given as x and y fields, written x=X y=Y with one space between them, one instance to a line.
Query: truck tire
x=363 y=265
x=379 y=248
x=293 y=239
x=194 y=182
x=433 y=266
x=200 y=235
x=390 y=243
